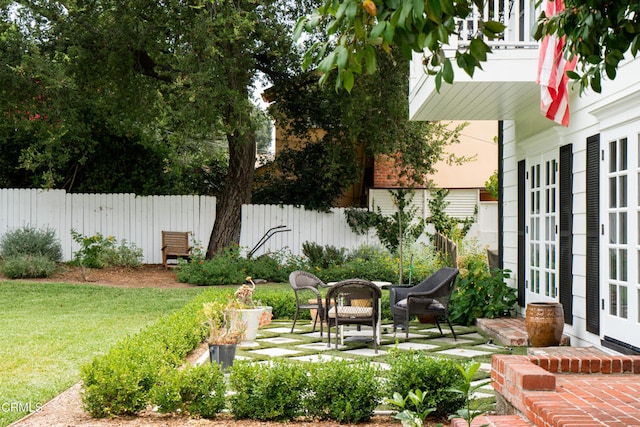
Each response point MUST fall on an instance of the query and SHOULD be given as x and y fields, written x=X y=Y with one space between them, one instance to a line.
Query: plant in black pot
x=226 y=331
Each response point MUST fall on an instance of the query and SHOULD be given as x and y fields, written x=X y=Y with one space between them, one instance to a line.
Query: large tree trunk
x=237 y=191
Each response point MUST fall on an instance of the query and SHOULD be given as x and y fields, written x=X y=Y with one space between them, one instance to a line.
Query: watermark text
x=20 y=407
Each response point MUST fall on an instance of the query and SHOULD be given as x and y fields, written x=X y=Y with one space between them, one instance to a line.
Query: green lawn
x=49 y=330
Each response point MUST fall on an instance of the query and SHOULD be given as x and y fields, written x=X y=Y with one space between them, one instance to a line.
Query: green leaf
x=594 y=59
x=378 y=29
x=611 y=71
x=299 y=28
x=447 y=71
x=573 y=75
x=478 y=49
x=307 y=59
x=418 y=8
x=370 y=60
x=342 y=57
x=352 y=10
x=327 y=63
x=494 y=27
x=389 y=31
x=438 y=81
x=348 y=80
x=434 y=10
x=447 y=7
x=342 y=9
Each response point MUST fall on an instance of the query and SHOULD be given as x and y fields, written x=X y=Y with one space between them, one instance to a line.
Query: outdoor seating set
x=357 y=302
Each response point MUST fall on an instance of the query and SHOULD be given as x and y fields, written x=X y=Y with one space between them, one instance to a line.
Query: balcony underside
x=505 y=89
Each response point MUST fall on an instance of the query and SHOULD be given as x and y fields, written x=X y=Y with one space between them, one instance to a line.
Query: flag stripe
x=552 y=72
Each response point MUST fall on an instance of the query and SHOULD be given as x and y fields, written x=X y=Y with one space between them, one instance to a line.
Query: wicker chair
x=305 y=287
x=429 y=297
x=353 y=302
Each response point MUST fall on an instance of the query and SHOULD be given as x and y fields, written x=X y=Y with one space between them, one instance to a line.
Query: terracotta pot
x=427 y=318
x=545 y=322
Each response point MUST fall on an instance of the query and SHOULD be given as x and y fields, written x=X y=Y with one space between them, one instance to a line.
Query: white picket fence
x=136 y=219
x=141 y=219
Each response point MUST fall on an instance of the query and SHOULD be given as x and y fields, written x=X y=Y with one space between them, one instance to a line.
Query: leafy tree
x=491 y=185
x=599 y=32
x=451 y=227
x=331 y=135
x=402 y=227
x=155 y=74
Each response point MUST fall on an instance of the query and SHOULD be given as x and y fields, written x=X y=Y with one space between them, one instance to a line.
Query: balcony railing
x=519 y=16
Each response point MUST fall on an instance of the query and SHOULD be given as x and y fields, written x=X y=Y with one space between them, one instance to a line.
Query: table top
x=377 y=283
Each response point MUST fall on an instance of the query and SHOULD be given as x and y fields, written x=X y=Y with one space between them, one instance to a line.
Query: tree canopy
x=333 y=135
x=162 y=82
x=599 y=32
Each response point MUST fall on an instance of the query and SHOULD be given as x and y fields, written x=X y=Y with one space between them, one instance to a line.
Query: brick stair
x=575 y=386
x=510 y=331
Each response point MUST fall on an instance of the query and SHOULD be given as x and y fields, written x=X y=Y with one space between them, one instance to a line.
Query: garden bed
x=146 y=276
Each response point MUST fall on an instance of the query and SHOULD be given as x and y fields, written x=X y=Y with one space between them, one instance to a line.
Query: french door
x=542 y=228
x=620 y=249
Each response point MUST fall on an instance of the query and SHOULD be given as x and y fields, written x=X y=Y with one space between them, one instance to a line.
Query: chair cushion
x=432 y=304
x=351 y=312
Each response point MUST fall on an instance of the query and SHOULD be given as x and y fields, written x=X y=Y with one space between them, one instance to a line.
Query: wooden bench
x=175 y=244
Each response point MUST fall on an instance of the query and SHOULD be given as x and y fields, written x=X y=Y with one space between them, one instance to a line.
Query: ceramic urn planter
x=545 y=323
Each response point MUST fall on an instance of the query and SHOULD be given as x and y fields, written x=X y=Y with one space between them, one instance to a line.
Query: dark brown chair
x=353 y=302
x=305 y=287
x=429 y=298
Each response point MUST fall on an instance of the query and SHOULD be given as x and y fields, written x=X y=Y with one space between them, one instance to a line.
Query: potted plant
x=226 y=331
x=253 y=313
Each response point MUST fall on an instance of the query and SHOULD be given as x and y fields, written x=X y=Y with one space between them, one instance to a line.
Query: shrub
x=479 y=293
x=197 y=391
x=31 y=241
x=376 y=263
x=225 y=268
x=268 y=267
x=323 y=257
x=230 y=268
x=344 y=391
x=267 y=392
x=119 y=382
x=27 y=266
x=434 y=376
x=98 y=251
x=123 y=255
x=283 y=303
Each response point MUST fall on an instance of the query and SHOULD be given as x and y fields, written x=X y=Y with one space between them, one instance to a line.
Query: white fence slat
x=140 y=220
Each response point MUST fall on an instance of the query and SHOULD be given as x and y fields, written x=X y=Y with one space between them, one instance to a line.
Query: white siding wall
x=615 y=105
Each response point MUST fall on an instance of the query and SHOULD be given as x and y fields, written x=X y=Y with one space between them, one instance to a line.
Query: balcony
x=504 y=89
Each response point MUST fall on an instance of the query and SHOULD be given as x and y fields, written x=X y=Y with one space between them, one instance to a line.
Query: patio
x=552 y=386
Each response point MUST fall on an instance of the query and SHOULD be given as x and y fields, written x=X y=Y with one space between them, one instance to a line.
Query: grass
x=49 y=330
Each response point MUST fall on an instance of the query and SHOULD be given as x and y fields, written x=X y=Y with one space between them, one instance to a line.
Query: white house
x=570 y=196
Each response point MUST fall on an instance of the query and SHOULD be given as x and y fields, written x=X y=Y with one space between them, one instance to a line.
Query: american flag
x=552 y=72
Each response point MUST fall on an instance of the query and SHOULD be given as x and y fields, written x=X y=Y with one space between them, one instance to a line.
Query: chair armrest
x=420 y=295
x=163 y=248
x=308 y=288
x=396 y=293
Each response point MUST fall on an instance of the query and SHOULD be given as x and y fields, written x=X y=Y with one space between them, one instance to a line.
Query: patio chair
x=429 y=298
x=353 y=302
x=305 y=287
